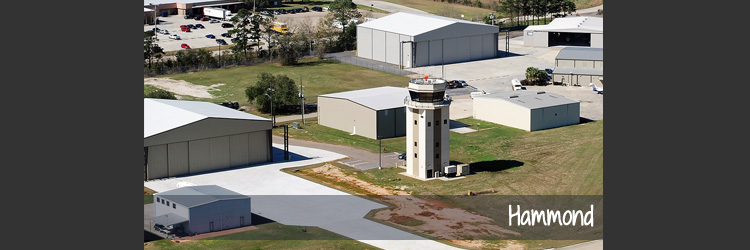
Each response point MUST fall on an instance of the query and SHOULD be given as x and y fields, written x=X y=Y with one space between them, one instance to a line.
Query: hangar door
x=569 y=39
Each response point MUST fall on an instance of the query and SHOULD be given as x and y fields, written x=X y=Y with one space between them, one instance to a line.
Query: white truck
x=221 y=14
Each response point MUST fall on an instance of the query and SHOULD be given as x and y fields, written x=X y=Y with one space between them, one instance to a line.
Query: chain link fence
x=350 y=58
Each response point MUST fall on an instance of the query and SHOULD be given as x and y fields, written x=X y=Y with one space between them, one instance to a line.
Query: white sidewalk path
x=291 y=200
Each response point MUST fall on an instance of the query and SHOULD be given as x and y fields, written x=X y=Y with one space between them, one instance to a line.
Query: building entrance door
x=429 y=173
x=211 y=226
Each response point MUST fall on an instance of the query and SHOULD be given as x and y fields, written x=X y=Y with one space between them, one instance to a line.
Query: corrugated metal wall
x=224 y=215
x=343 y=115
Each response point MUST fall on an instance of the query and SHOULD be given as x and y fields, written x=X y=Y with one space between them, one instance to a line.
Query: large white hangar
x=415 y=40
x=373 y=113
x=567 y=31
x=187 y=137
x=579 y=66
x=527 y=110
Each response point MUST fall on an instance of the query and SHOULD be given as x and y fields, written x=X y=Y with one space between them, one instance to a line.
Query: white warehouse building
x=415 y=40
x=527 y=110
x=568 y=31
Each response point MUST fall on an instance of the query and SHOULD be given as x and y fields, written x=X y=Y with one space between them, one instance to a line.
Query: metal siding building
x=373 y=113
x=579 y=66
x=416 y=40
x=202 y=209
x=589 y=28
x=527 y=110
x=186 y=137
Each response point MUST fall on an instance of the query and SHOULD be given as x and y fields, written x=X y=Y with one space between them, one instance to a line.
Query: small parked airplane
x=597 y=89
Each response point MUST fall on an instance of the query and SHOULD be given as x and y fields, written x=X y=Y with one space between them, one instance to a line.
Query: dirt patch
x=180 y=87
x=427 y=216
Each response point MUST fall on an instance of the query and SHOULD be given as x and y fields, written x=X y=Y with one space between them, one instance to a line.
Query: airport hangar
x=527 y=110
x=566 y=31
x=376 y=113
x=579 y=66
x=187 y=137
x=201 y=209
x=415 y=40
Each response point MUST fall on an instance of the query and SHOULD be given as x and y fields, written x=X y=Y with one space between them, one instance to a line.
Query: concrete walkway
x=291 y=200
x=591 y=245
x=363 y=158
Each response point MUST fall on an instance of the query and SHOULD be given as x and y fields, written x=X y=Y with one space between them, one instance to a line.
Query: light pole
x=273 y=118
x=302 y=100
x=380 y=152
x=492 y=17
x=371 y=7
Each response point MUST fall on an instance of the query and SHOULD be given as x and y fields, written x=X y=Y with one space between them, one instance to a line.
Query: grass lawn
x=269 y=236
x=560 y=161
x=443 y=8
x=148 y=196
x=318 y=76
x=314 y=132
x=368 y=8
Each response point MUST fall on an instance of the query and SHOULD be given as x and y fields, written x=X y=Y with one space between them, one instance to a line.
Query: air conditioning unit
x=450 y=169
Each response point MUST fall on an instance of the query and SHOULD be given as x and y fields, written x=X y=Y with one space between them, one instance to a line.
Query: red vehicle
x=185 y=46
x=184 y=28
x=205 y=19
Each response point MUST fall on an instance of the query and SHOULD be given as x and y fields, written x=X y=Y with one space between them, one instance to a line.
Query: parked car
x=264 y=12
x=234 y=40
x=462 y=83
x=174 y=36
x=210 y=36
x=225 y=34
x=191 y=26
x=517 y=85
x=185 y=46
x=283 y=11
x=165 y=32
x=185 y=28
x=205 y=19
x=451 y=84
x=214 y=21
x=187 y=16
x=292 y=11
x=317 y=8
x=276 y=12
x=221 y=41
x=198 y=17
x=402 y=156
x=200 y=26
x=305 y=9
x=226 y=25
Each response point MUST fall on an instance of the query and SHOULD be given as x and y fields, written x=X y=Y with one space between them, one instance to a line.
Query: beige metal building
x=188 y=137
x=373 y=113
x=579 y=66
x=567 y=31
x=415 y=40
x=527 y=110
x=192 y=7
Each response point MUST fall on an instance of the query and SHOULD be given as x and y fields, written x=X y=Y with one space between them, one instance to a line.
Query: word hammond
x=567 y=218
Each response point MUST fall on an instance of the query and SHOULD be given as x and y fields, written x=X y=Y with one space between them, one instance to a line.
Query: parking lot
x=196 y=38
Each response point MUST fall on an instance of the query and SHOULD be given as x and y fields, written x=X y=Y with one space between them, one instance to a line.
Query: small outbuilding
x=566 y=31
x=201 y=209
x=527 y=110
x=375 y=113
x=579 y=66
x=188 y=137
x=415 y=40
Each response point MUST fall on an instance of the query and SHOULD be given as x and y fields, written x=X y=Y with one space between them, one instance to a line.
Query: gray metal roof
x=380 y=98
x=169 y=219
x=161 y=115
x=530 y=99
x=577 y=71
x=192 y=196
x=579 y=53
x=412 y=24
x=594 y=25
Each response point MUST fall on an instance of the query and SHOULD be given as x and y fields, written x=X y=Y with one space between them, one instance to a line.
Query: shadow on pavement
x=149 y=236
x=278 y=156
x=454 y=124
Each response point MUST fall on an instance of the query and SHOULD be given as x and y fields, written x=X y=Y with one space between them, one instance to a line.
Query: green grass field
x=318 y=76
x=269 y=236
x=507 y=160
x=559 y=161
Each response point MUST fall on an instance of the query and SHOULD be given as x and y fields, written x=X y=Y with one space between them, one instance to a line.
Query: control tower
x=427 y=118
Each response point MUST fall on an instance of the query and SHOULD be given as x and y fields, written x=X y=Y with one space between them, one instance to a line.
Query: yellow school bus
x=279 y=27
